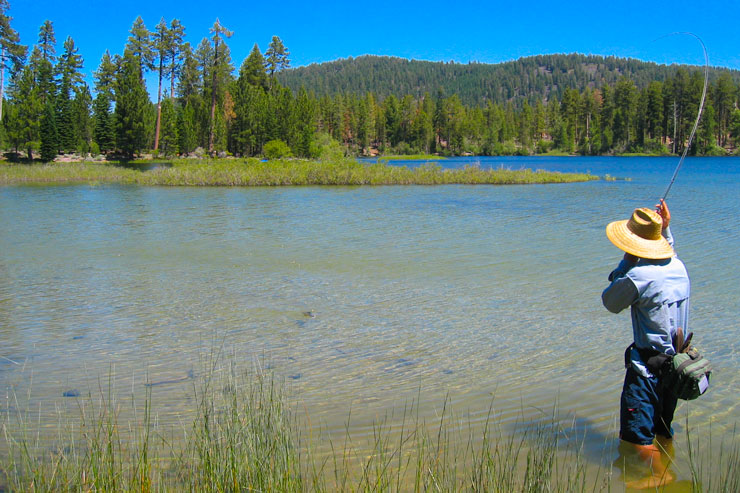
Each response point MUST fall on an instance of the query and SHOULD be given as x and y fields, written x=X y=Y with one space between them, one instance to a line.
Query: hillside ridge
x=533 y=78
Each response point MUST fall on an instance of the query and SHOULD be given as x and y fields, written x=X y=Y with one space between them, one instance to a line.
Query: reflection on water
x=361 y=298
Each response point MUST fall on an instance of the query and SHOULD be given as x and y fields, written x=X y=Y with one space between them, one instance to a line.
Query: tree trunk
x=159 y=107
x=172 y=83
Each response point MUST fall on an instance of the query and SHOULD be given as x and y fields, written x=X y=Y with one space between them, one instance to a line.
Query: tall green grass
x=253 y=172
x=245 y=436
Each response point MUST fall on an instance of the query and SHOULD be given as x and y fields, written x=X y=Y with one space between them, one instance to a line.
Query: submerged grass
x=253 y=172
x=244 y=436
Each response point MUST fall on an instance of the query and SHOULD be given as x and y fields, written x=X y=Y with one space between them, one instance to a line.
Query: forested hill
x=533 y=78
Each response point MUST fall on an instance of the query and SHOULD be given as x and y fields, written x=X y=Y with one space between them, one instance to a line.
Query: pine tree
x=46 y=81
x=276 y=58
x=422 y=126
x=161 y=40
x=654 y=114
x=306 y=125
x=22 y=122
x=539 y=120
x=187 y=129
x=104 y=129
x=203 y=57
x=706 y=132
x=175 y=52
x=526 y=126
x=253 y=69
x=81 y=108
x=65 y=120
x=455 y=116
x=140 y=46
x=169 y=136
x=555 y=125
x=219 y=74
x=68 y=67
x=283 y=107
x=191 y=81
x=724 y=96
x=192 y=94
x=105 y=76
x=248 y=131
x=103 y=123
x=625 y=99
x=678 y=97
x=735 y=127
x=49 y=138
x=569 y=110
x=392 y=120
x=47 y=41
x=131 y=106
x=591 y=106
x=12 y=53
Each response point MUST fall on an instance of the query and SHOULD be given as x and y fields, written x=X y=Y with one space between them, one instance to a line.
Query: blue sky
x=462 y=31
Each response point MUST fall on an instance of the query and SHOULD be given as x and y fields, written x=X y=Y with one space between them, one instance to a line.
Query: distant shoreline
x=256 y=173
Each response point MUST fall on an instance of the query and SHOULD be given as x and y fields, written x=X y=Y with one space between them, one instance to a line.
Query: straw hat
x=640 y=235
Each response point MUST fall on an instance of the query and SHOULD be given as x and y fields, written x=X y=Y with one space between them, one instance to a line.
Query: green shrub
x=325 y=148
x=656 y=147
x=94 y=148
x=509 y=148
x=544 y=146
x=276 y=149
x=715 y=150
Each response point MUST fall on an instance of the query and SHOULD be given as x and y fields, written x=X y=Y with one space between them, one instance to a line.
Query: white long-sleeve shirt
x=658 y=293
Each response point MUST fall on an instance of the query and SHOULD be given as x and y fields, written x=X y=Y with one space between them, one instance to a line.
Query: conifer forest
x=206 y=103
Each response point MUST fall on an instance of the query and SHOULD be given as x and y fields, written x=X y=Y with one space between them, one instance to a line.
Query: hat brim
x=626 y=240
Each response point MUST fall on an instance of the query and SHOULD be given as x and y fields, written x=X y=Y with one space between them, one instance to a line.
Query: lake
x=361 y=298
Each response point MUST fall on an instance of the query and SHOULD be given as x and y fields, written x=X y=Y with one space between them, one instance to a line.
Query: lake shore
x=253 y=172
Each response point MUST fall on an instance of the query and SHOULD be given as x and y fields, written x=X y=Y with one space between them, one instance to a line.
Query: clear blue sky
x=488 y=32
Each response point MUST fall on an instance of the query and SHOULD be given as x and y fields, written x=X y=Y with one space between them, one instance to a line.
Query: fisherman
x=654 y=283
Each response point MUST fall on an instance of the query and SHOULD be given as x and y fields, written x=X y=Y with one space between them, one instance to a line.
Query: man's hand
x=665 y=214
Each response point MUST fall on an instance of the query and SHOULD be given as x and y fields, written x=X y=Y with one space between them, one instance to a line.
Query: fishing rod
x=698 y=115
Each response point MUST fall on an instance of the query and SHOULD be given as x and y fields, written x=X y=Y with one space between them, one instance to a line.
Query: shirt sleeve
x=622 y=291
x=621 y=270
x=668 y=235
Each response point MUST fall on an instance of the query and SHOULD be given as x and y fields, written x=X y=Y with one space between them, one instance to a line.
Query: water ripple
x=413 y=293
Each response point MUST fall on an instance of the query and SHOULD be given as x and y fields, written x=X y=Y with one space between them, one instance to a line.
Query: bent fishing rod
x=698 y=115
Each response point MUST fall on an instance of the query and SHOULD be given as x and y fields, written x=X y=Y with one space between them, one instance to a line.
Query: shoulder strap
x=678 y=341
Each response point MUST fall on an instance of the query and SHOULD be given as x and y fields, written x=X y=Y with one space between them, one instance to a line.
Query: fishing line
x=701 y=107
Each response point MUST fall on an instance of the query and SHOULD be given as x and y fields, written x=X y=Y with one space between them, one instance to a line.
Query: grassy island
x=253 y=172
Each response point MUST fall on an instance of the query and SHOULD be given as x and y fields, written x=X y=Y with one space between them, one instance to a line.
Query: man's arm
x=622 y=291
x=665 y=214
x=668 y=236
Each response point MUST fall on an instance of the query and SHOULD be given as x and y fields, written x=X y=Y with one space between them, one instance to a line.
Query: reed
x=244 y=436
x=62 y=173
x=293 y=172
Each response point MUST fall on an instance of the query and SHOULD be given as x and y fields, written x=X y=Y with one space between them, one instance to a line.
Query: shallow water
x=364 y=298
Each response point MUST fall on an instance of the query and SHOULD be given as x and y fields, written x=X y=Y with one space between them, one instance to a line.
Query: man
x=654 y=283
